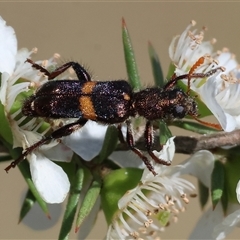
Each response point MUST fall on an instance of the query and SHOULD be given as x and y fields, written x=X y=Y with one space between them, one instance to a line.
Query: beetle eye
x=179 y=111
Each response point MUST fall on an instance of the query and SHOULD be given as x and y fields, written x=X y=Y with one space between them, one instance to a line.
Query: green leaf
x=165 y=132
x=217 y=183
x=232 y=171
x=156 y=66
x=24 y=169
x=27 y=205
x=224 y=200
x=110 y=142
x=5 y=158
x=171 y=70
x=115 y=185
x=204 y=194
x=130 y=61
x=72 y=204
x=5 y=130
x=88 y=202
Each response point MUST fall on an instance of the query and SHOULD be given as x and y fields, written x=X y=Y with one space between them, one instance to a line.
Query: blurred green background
x=90 y=32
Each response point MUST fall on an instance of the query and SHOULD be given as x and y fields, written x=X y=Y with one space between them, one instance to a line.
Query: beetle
x=108 y=102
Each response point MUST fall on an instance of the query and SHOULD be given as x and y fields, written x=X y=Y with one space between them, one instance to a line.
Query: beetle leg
x=131 y=144
x=148 y=135
x=81 y=73
x=61 y=132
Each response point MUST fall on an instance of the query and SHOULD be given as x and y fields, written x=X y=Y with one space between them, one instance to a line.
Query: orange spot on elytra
x=87 y=108
x=88 y=87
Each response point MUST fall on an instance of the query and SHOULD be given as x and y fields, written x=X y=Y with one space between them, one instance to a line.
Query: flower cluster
x=221 y=95
x=19 y=77
x=220 y=92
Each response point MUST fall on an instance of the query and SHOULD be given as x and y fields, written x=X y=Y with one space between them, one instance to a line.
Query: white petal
x=50 y=180
x=207 y=92
x=57 y=152
x=238 y=191
x=127 y=197
x=200 y=165
x=3 y=88
x=227 y=60
x=127 y=159
x=8 y=48
x=167 y=152
x=226 y=226
x=87 y=141
x=205 y=225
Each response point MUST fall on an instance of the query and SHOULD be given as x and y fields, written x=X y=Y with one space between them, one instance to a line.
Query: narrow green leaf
x=225 y=200
x=24 y=169
x=72 y=204
x=232 y=173
x=88 y=202
x=204 y=194
x=5 y=130
x=165 y=132
x=130 y=61
x=217 y=183
x=5 y=158
x=27 y=205
x=171 y=70
x=109 y=144
x=156 y=66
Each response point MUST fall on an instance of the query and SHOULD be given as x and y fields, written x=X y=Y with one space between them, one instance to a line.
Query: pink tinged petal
x=200 y=165
x=88 y=141
x=50 y=180
x=205 y=225
x=8 y=47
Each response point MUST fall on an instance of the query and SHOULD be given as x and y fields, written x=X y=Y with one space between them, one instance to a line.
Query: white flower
x=216 y=224
x=213 y=224
x=151 y=202
x=231 y=221
x=186 y=49
x=50 y=179
x=220 y=93
x=43 y=170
